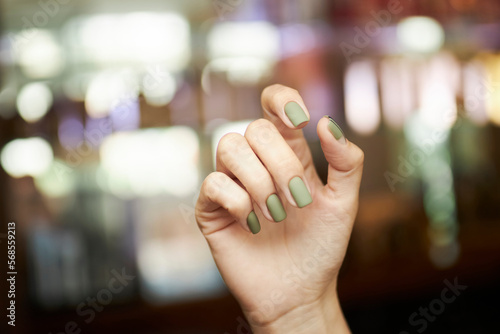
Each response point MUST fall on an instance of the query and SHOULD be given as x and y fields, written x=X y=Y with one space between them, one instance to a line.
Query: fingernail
x=336 y=130
x=276 y=208
x=295 y=113
x=253 y=223
x=299 y=192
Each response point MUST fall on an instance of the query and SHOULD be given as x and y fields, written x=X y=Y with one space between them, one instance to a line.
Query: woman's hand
x=282 y=270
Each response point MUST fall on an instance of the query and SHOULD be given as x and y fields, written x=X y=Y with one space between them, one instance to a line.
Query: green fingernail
x=253 y=223
x=299 y=192
x=336 y=130
x=295 y=113
x=276 y=208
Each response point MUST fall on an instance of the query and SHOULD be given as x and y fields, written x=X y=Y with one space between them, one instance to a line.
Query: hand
x=285 y=275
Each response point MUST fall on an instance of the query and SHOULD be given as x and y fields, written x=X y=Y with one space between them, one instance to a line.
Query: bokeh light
x=27 y=157
x=361 y=97
x=179 y=269
x=39 y=54
x=493 y=87
x=138 y=38
x=108 y=89
x=159 y=87
x=244 y=39
x=246 y=51
x=420 y=34
x=397 y=91
x=33 y=101
x=151 y=162
x=475 y=91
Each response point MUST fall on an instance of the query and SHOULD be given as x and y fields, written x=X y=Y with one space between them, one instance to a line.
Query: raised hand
x=277 y=233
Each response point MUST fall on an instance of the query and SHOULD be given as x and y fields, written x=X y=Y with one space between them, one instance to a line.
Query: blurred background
x=110 y=112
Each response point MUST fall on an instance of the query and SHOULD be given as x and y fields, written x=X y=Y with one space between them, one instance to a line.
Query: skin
x=284 y=277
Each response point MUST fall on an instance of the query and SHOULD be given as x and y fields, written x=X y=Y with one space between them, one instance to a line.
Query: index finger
x=284 y=107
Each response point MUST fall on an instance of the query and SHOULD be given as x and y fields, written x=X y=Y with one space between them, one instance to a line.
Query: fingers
x=266 y=167
x=344 y=158
x=236 y=158
x=281 y=162
x=221 y=203
x=267 y=163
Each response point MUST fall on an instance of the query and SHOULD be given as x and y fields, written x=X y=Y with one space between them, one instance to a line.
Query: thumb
x=345 y=159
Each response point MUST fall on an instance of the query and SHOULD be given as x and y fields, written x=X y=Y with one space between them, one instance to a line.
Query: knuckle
x=231 y=139
x=291 y=165
x=290 y=91
x=239 y=205
x=229 y=143
x=208 y=187
x=263 y=181
x=234 y=151
x=213 y=184
x=276 y=90
x=261 y=131
x=269 y=90
x=260 y=123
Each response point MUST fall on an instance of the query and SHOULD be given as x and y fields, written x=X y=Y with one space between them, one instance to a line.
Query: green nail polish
x=253 y=223
x=276 y=208
x=299 y=192
x=295 y=113
x=336 y=130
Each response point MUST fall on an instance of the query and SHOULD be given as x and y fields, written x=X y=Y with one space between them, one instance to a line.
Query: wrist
x=323 y=315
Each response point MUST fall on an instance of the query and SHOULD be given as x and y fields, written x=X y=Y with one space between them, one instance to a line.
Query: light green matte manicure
x=276 y=208
x=295 y=113
x=299 y=192
x=253 y=223
x=336 y=130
